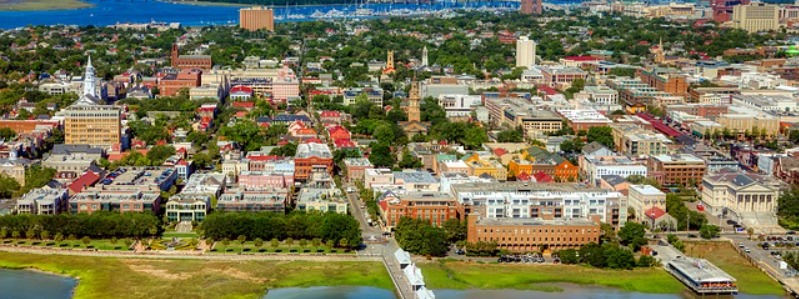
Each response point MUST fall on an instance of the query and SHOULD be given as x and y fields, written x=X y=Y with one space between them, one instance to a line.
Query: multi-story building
x=15 y=168
x=378 y=178
x=238 y=200
x=739 y=194
x=202 y=62
x=562 y=76
x=95 y=125
x=170 y=84
x=71 y=160
x=747 y=120
x=356 y=168
x=677 y=169
x=257 y=18
x=147 y=179
x=600 y=94
x=526 y=235
x=459 y=106
x=666 y=80
x=548 y=201
x=263 y=180
x=433 y=207
x=188 y=207
x=756 y=17
x=311 y=157
x=584 y=119
x=116 y=201
x=632 y=140
x=642 y=198
x=43 y=201
x=525 y=52
x=593 y=168
x=321 y=194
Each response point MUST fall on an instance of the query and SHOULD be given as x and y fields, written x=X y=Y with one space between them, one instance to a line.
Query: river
x=19 y=284
x=109 y=12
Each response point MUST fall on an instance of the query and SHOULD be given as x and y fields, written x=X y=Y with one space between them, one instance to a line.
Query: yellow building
x=492 y=168
x=93 y=125
x=740 y=123
x=518 y=166
x=756 y=17
x=257 y=18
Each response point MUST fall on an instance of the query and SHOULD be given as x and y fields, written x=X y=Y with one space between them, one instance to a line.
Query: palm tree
x=44 y=235
x=114 y=242
x=303 y=244
x=86 y=241
x=289 y=242
x=225 y=243
x=242 y=239
x=343 y=242
x=30 y=234
x=3 y=233
x=59 y=237
x=15 y=234
x=316 y=242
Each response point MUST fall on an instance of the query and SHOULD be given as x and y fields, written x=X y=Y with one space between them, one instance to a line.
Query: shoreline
x=44 y=5
x=108 y=277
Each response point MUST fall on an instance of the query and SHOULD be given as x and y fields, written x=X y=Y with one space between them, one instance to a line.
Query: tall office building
x=756 y=17
x=89 y=120
x=529 y=7
x=525 y=52
x=257 y=18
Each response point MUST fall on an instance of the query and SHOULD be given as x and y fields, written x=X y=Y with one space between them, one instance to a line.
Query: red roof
x=344 y=143
x=547 y=90
x=241 y=89
x=542 y=177
x=523 y=177
x=313 y=140
x=87 y=179
x=182 y=162
x=581 y=58
x=655 y=213
x=243 y=104
x=328 y=113
x=658 y=125
x=500 y=151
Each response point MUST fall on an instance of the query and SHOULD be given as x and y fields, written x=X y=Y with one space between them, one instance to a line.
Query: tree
x=381 y=155
x=602 y=135
x=128 y=242
x=303 y=244
x=15 y=234
x=274 y=243
x=201 y=160
x=241 y=239
x=569 y=257
x=30 y=234
x=158 y=154
x=632 y=234
x=288 y=150
x=384 y=134
x=455 y=229
x=749 y=232
x=409 y=161
x=646 y=261
x=419 y=237
x=608 y=233
x=225 y=242
x=510 y=136
x=709 y=231
x=44 y=235
x=343 y=243
x=114 y=241
x=86 y=241
x=316 y=242
x=7 y=134
x=59 y=237
x=258 y=242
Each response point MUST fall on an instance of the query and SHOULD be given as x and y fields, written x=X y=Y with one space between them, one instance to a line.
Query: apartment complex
x=312 y=157
x=632 y=140
x=257 y=18
x=525 y=52
x=642 y=198
x=43 y=201
x=546 y=201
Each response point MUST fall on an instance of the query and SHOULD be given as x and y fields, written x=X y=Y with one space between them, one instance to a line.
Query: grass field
x=722 y=254
x=139 y=278
x=466 y=275
x=103 y=244
x=28 y=5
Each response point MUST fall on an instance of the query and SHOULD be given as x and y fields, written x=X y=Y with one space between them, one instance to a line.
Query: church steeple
x=89 y=80
x=414 y=113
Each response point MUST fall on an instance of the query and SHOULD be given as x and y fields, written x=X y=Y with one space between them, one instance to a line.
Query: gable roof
x=593 y=147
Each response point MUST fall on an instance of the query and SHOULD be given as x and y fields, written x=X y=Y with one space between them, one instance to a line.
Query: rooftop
x=647 y=190
x=536 y=222
x=307 y=150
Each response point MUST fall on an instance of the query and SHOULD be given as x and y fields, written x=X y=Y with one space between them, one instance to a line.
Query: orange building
x=532 y=234
x=26 y=126
x=170 y=84
x=312 y=157
x=665 y=80
x=433 y=207
x=257 y=18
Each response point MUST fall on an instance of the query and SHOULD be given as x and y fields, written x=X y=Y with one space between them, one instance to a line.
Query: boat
x=317 y=14
x=296 y=17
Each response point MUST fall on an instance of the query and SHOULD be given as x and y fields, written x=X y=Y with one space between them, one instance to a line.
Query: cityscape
x=399 y=149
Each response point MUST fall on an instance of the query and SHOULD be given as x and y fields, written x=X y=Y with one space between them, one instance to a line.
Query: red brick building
x=170 y=84
x=202 y=62
x=433 y=207
x=311 y=157
x=531 y=235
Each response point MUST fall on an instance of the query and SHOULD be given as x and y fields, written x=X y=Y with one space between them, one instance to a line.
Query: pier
x=699 y=275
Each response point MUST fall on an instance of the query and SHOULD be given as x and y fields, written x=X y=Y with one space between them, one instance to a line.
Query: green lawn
x=142 y=278
x=722 y=254
x=170 y=234
x=465 y=275
x=30 y=5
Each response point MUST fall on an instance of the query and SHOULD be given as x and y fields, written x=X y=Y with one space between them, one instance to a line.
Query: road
x=764 y=260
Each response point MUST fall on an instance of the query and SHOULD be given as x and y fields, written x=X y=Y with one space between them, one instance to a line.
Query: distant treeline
x=101 y=224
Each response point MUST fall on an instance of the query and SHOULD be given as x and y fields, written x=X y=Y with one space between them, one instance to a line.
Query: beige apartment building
x=257 y=18
x=756 y=17
x=641 y=198
x=740 y=123
x=95 y=125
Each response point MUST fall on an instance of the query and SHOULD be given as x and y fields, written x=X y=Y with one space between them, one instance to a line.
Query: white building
x=595 y=167
x=525 y=52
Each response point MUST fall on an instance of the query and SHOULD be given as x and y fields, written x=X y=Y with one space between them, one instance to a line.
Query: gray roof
x=415 y=177
x=69 y=149
x=592 y=147
x=613 y=179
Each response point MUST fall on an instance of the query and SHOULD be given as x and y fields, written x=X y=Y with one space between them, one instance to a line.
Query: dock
x=699 y=275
